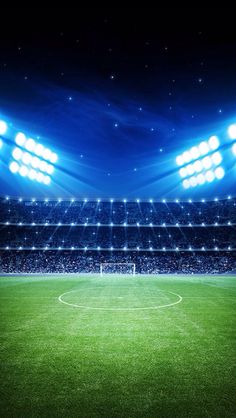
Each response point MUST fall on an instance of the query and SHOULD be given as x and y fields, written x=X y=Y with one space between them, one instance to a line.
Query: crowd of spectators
x=79 y=262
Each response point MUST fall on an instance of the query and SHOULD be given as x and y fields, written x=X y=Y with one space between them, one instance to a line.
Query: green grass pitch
x=118 y=346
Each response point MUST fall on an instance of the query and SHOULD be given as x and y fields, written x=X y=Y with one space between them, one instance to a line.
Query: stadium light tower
x=32 y=160
x=201 y=164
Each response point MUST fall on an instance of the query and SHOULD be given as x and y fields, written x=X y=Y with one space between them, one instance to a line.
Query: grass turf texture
x=62 y=361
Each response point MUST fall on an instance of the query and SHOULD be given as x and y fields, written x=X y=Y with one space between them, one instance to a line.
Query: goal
x=117 y=268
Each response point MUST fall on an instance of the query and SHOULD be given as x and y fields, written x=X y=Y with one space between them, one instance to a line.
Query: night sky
x=118 y=94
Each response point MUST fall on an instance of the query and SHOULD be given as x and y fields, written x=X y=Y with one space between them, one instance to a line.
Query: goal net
x=117 y=268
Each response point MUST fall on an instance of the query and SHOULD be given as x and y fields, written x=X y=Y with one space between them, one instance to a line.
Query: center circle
x=119 y=298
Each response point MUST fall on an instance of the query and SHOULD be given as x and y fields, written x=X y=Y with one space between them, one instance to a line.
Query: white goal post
x=117 y=268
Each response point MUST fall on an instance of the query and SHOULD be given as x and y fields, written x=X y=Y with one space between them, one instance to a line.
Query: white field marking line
x=209 y=297
x=120 y=309
x=217 y=286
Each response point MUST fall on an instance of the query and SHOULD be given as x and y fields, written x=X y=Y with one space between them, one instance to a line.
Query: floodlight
x=186 y=184
x=197 y=165
x=20 y=139
x=234 y=148
x=53 y=158
x=193 y=181
x=194 y=153
x=203 y=148
x=216 y=158
x=47 y=180
x=3 y=127
x=203 y=157
x=232 y=131
x=35 y=162
x=200 y=179
x=210 y=176
x=23 y=171
x=26 y=158
x=219 y=173
x=47 y=154
x=17 y=153
x=190 y=169
x=206 y=162
x=32 y=174
x=14 y=167
x=43 y=165
x=183 y=172
x=187 y=156
x=30 y=144
x=179 y=160
x=213 y=142
x=39 y=150
x=39 y=177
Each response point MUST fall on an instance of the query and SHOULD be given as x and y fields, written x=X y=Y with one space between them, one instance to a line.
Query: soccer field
x=118 y=346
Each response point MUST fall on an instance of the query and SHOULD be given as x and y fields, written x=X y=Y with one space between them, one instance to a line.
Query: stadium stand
x=77 y=235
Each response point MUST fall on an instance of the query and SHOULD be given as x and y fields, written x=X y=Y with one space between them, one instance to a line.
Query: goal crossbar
x=104 y=265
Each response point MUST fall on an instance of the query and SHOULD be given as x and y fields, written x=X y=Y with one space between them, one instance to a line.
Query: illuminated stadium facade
x=77 y=235
x=118 y=231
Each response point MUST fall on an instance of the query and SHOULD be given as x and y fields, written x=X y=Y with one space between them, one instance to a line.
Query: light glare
x=30 y=144
x=20 y=139
x=23 y=171
x=232 y=131
x=203 y=148
x=17 y=153
x=14 y=167
x=213 y=142
x=219 y=173
x=216 y=158
x=3 y=127
x=209 y=175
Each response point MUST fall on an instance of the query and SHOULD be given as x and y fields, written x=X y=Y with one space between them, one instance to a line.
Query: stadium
x=114 y=306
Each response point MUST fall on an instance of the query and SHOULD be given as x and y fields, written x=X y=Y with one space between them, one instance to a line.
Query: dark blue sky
x=118 y=94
